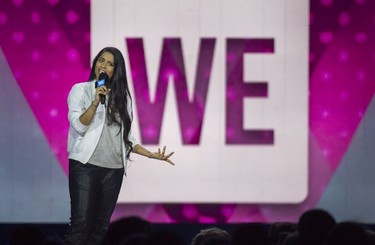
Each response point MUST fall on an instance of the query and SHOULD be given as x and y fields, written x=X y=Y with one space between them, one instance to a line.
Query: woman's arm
x=160 y=155
x=88 y=115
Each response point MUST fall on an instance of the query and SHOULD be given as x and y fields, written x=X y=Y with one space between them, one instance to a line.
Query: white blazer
x=82 y=139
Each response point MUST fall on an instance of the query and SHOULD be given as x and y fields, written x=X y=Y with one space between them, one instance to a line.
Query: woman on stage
x=99 y=146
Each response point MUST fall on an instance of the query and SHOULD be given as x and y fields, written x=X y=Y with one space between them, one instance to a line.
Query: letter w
x=190 y=112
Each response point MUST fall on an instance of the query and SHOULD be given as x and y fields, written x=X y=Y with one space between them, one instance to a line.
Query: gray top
x=108 y=152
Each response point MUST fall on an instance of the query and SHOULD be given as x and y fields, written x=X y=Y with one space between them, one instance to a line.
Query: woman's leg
x=106 y=202
x=84 y=183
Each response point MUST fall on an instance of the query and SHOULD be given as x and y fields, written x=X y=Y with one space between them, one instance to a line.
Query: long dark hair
x=119 y=97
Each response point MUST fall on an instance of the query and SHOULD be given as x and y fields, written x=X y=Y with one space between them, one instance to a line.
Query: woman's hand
x=102 y=90
x=160 y=155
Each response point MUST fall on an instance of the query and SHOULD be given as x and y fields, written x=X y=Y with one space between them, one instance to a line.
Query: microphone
x=102 y=80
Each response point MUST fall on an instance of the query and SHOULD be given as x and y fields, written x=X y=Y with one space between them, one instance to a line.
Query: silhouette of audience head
x=132 y=230
x=134 y=239
x=212 y=236
x=279 y=231
x=314 y=225
x=253 y=234
x=163 y=237
x=348 y=233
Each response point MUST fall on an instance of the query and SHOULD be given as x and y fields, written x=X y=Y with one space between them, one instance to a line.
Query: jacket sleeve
x=132 y=139
x=131 y=136
x=76 y=104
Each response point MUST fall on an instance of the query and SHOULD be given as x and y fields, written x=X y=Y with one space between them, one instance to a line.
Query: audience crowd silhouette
x=314 y=227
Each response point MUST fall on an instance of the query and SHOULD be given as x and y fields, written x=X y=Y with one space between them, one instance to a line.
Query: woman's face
x=106 y=64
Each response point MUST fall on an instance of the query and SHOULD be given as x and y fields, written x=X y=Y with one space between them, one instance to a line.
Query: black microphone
x=102 y=80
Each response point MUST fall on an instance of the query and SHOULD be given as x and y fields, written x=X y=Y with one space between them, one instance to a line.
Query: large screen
x=222 y=84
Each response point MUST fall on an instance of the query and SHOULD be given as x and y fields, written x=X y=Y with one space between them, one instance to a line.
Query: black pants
x=93 y=195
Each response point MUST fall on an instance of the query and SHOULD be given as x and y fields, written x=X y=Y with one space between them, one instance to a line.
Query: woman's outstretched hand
x=160 y=155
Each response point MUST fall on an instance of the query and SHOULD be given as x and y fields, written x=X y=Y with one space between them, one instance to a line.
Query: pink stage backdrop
x=46 y=45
